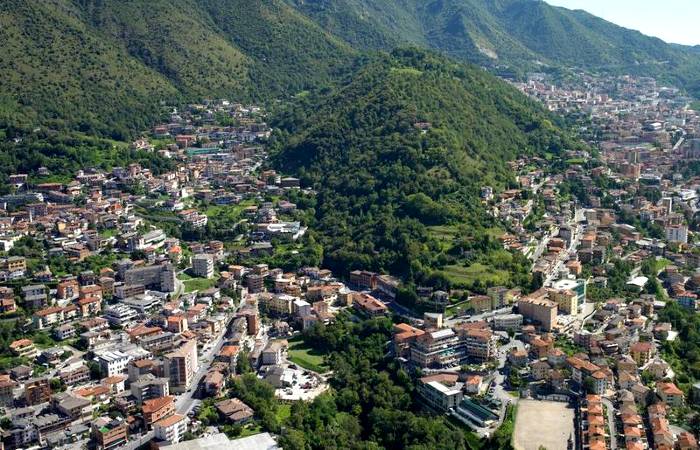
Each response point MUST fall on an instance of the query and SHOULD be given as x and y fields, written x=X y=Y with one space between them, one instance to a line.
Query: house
x=24 y=348
x=109 y=433
x=642 y=352
x=369 y=305
x=235 y=411
x=669 y=393
x=473 y=384
x=440 y=391
x=686 y=441
x=171 y=429
x=273 y=352
x=158 y=408
x=213 y=383
x=114 y=383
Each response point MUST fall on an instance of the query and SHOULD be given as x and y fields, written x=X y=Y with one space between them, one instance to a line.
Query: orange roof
x=141 y=363
x=599 y=375
x=634 y=445
x=473 y=379
x=113 y=380
x=444 y=378
x=405 y=331
x=687 y=440
x=170 y=420
x=596 y=421
x=92 y=391
x=669 y=388
x=49 y=310
x=188 y=334
x=156 y=404
x=143 y=330
x=89 y=299
x=229 y=350
x=633 y=432
x=21 y=343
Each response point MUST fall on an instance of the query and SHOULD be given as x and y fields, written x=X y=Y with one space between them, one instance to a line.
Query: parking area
x=543 y=424
x=300 y=384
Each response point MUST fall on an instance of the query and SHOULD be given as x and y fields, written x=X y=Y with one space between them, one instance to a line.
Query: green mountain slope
x=381 y=181
x=54 y=67
x=287 y=51
x=517 y=34
x=104 y=66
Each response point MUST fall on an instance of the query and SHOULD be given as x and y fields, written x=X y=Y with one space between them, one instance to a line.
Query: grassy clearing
x=444 y=234
x=250 y=430
x=460 y=275
x=447 y=234
x=284 y=411
x=199 y=284
x=299 y=353
x=456 y=309
x=406 y=71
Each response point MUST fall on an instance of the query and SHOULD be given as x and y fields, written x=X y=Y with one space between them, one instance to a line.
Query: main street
x=186 y=401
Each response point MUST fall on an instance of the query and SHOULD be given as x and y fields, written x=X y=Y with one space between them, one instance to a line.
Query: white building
x=119 y=315
x=203 y=265
x=113 y=362
x=172 y=429
x=508 y=322
x=677 y=233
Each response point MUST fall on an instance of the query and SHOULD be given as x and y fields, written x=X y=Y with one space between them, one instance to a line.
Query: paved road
x=576 y=238
x=611 y=422
x=185 y=402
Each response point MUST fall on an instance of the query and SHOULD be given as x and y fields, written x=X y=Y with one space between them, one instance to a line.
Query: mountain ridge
x=510 y=36
x=104 y=67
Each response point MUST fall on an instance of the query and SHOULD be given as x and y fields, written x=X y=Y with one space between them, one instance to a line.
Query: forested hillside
x=103 y=67
x=507 y=35
x=407 y=144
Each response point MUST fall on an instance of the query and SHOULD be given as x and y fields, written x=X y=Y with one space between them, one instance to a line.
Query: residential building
x=180 y=366
x=109 y=433
x=508 y=322
x=35 y=296
x=157 y=408
x=171 y=429
x=234 y=410
x=369 y=305
x=436 y=348
x=539 y=310
x=113 y=362
x=149 y=387
x=24 y=348
x=642 y=352
x=37 y=390
x=677 y=233
x=75 y=373
x=120 y=315
x=669 y=393
x=440 y=391
x=479 y=344
x=203 y=265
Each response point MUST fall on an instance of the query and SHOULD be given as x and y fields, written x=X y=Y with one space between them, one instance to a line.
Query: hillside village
x=140 y=297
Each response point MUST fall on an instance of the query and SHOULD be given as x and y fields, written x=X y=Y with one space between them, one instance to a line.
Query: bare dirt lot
x=546 y=424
